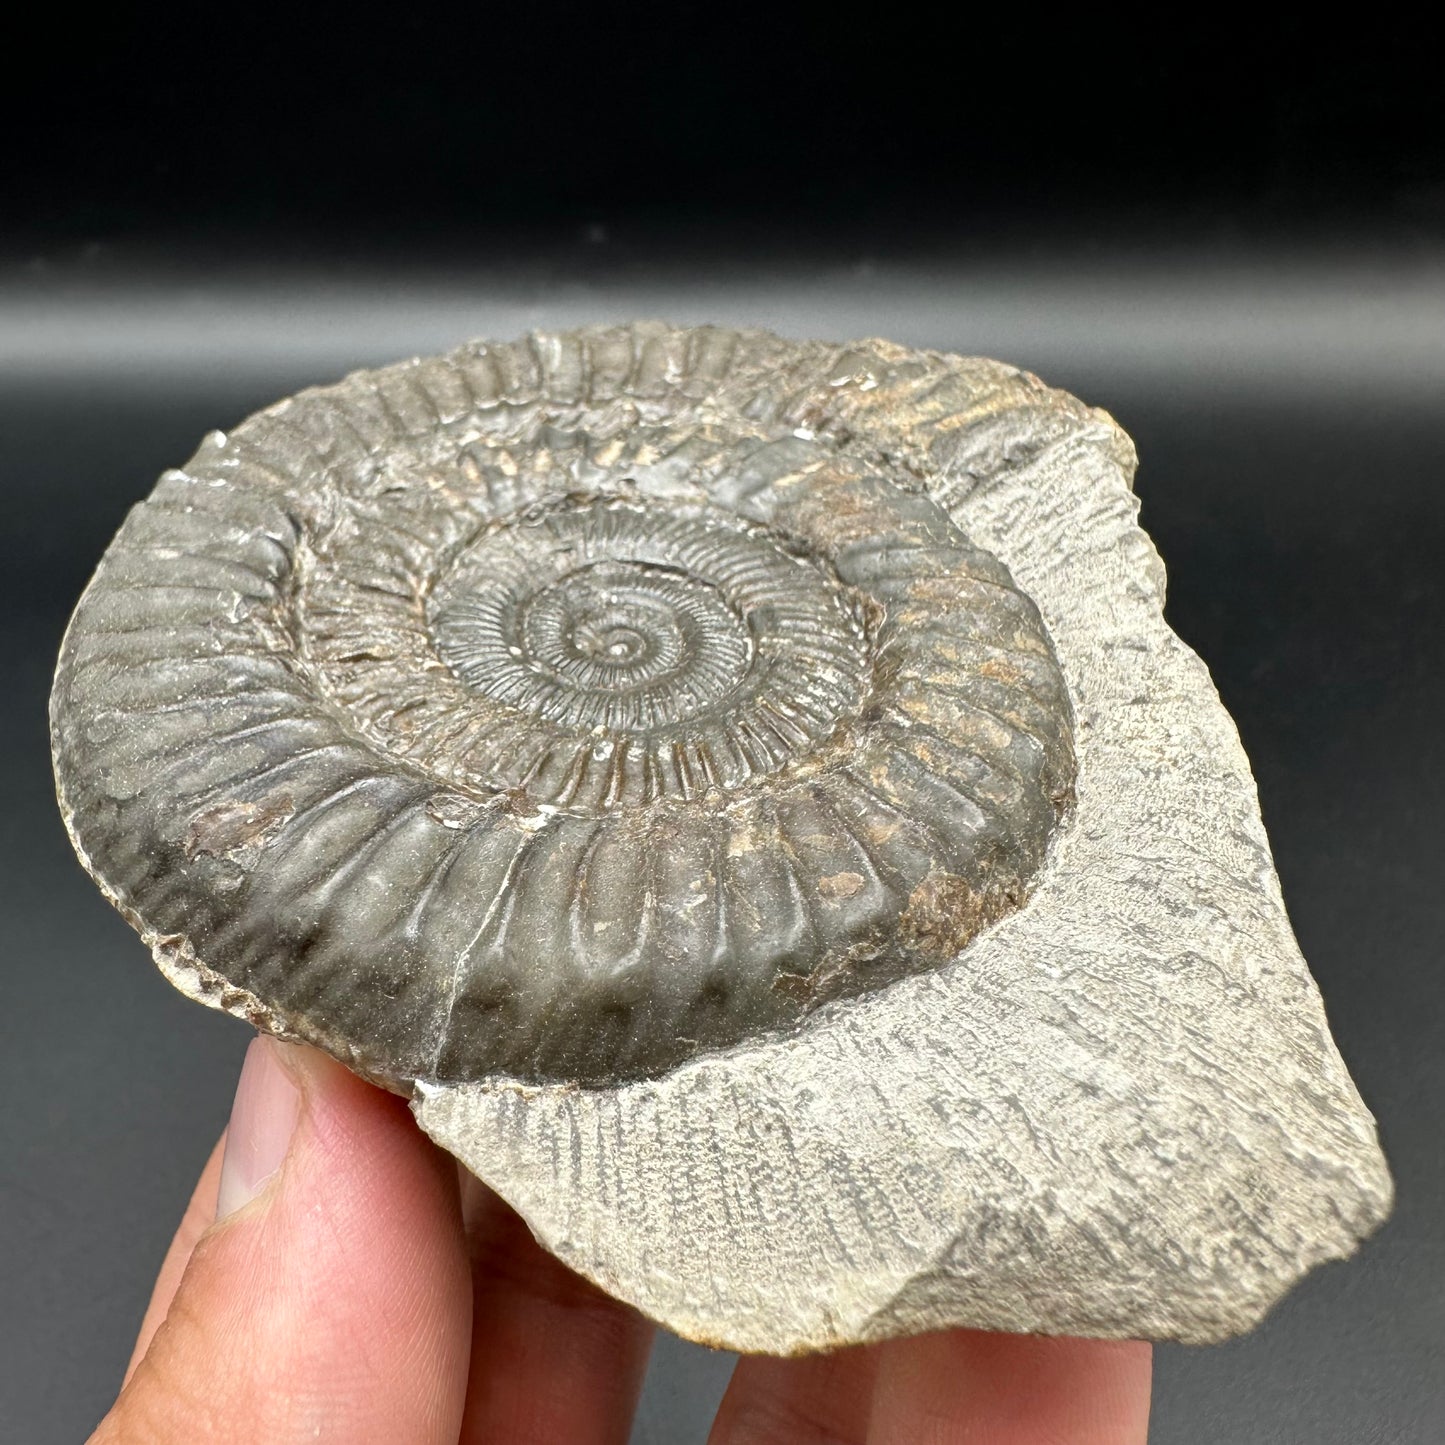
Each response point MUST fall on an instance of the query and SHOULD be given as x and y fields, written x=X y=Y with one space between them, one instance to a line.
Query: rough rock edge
x=871 y=1305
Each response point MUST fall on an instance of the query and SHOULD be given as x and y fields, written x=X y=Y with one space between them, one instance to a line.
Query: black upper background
x=1304 y=531
x=406 y=128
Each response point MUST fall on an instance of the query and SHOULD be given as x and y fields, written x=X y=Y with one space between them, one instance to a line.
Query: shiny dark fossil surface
x=560 y=709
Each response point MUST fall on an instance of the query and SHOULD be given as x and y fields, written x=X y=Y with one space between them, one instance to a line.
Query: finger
x=553 y=1358
x=819 y=1400
x=990 y=1389
x=330 y=1301
x=199 y=1216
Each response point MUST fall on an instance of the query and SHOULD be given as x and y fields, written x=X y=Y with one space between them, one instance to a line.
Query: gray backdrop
x=1288 y=414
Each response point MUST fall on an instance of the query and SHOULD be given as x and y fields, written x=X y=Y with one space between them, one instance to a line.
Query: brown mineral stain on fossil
x=234 y=827
x=945 y=911
x=564 y=709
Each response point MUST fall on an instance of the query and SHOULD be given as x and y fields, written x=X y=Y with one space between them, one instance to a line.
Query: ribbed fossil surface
x=747 y=793
x=559 y=709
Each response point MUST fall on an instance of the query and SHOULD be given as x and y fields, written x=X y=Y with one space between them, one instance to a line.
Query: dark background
x=1232 y=238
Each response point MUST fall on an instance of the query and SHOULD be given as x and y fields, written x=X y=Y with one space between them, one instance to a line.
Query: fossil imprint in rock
x=745 y=792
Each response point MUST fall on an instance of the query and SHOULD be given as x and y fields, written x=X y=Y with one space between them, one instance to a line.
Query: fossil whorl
x=563 y=709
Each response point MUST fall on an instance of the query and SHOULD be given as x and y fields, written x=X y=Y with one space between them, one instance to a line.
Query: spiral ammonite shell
x=560 y=709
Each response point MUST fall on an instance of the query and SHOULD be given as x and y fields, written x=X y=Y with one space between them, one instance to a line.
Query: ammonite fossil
x=520 y=712
x=687 y=725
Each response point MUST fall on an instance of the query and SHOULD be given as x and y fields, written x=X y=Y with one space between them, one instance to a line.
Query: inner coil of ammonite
x=560 y=710
x=590 y=653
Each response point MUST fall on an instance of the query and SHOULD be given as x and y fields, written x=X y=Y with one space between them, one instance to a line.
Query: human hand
x=333 y=1281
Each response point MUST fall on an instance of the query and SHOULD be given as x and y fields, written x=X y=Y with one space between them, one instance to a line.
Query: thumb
x=330 y=1300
